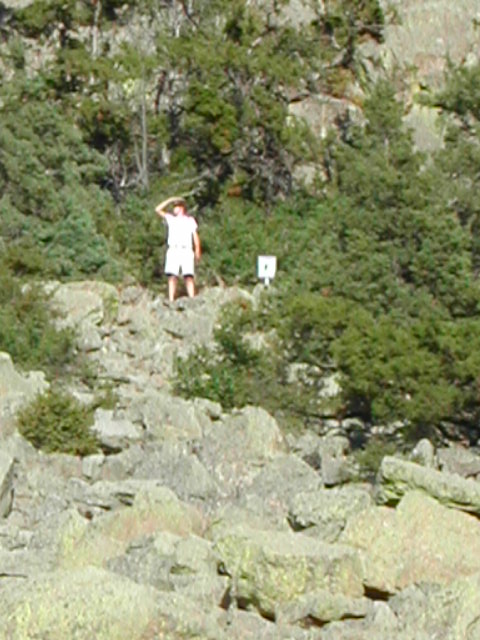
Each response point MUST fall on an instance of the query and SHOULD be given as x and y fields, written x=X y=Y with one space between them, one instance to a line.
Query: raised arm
x=161 y=210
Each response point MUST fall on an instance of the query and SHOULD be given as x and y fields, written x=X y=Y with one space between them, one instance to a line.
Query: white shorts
x=179 y=260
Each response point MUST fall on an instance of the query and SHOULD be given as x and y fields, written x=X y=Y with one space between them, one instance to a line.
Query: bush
x=248 y=366
x=369 y=458
x=233 y=373
x=27 y=329
x=51 y=204
x=57 y=422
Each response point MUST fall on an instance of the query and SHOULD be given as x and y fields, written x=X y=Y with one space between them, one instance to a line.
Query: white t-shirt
x=180 y=230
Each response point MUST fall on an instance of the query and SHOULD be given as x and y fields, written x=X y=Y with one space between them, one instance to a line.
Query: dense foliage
x=376 y=280
x=378 y=267
x=28 y=332
x=57 y=422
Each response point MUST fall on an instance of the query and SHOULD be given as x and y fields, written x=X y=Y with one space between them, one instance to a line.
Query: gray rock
x=22 y=563
x=449 y=612
x=424 y=453
x=114 y=433
x=154 y=509
x=397 y=477
x=85 y=303
x=459 y=460
x=420 y=541
x=426 y=126
x=321 y=112
x=166 y=417
x=336 y=467
x=173 y=563
x=320 y=607
x=92 y=466
x=270 y=569
x=148 y=561
x=426 y=34
x=6 y=484
x=234 y=449
x=89 y=339
x=194 y=572
x=379 y=623
x=93 y=603
x=324 y=514
x=17 y=389
x=120 y=466
x=277 y=484
x=173 y=466
x=247 y=625
x=231 y=516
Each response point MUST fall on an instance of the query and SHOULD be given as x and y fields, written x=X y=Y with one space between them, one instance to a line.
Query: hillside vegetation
x=378 y=261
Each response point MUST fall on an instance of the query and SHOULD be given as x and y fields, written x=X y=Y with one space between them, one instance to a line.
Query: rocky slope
x=194 y=523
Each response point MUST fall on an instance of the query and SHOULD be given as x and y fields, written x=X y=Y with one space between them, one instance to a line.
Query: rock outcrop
x=196 y=523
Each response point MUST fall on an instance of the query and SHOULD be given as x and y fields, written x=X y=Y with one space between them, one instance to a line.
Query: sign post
x=266 y=268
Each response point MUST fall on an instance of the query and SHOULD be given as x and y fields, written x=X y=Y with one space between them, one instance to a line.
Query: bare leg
x=190 y=286
x=172 y=287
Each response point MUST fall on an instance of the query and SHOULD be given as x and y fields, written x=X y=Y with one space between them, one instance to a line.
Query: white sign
x=266 y=268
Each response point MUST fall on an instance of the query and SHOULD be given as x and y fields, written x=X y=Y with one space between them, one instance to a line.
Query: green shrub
x=51 y=204
x=369 y=458
x=57 y=422
x=233 y=373
x=238 y=371
x=27 y=329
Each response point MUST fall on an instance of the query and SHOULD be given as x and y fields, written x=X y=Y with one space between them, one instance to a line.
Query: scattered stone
x=269 y=569
x=320 y=607
x=397 y=477
x=114 y=434
x=324 y=514
x=17 y=389
x=94 y=603
x=235 y=449
x=424 y=453
x=459 y=460
x=6 y=484
x=277 y=484
x=201 y=514
x=419 y=541
x=336 y=467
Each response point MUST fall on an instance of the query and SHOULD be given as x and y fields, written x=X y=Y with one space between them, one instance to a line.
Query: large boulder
x=170 y=562
x=419 y=541
x=85 y=306
x=17 y=389
x=174 y=466
x=449 y=612
x=86 y=302
x=459 y=460
x=276 y=485
x=324 y=514
x=320 y=607
x=167 y=417
x=114 y=433
x=270 y=569
x=397 y=477
x=93 y=603
x=154 y=509
x=234 y=449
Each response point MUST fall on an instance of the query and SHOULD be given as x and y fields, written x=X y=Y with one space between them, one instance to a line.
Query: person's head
x=179 y=207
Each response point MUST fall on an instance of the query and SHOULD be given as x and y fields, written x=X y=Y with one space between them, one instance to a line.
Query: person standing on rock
x=183 y=244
